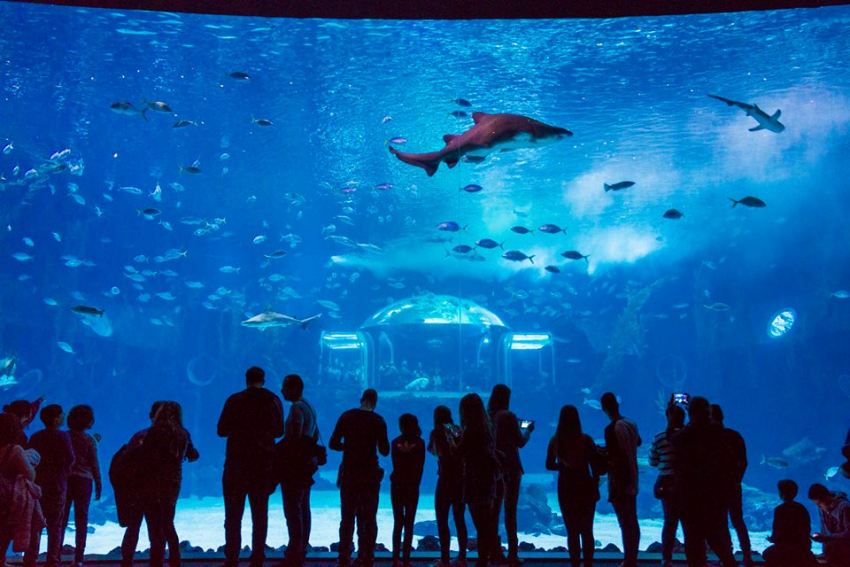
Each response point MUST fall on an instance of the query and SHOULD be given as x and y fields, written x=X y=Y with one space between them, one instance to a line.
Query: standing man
x=621 y=442
x=297 y=465
x=739 y=466
x=360 y=434
x=251 y=421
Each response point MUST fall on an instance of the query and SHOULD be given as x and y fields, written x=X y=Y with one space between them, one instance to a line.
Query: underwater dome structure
x=431 y=309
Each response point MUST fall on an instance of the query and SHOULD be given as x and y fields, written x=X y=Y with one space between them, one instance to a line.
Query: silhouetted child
x=86 y=472
x=408 y=454
x=51 y=474
x=791 y=527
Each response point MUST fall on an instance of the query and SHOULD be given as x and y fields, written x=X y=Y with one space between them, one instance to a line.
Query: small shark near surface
x=269 y=318
x=766 y=122
x=492 y=132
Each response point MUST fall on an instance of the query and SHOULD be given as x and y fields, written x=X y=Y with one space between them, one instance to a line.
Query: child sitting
x=791 y=527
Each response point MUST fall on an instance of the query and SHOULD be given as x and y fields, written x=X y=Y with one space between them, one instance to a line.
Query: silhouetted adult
x=84 y=476
x=360 y=434
x=573 y=454
x=621 y=443
x=510 y=438
x=834 y=512
x=662 y=455
x=736 y=504
x=705 y=472
x=297 y=466
x=251 y=421
x=792 y=525
x=164 y=448
x=408 y=455
x=476 y=447
x=449 y=492
x=15 y=418
x=15 y=464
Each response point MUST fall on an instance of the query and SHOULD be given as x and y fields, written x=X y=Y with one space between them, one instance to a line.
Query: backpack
x=126 y=469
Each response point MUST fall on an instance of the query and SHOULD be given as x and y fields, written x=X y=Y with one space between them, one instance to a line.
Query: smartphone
x=452 y=429
x=681 y=399
x=525 y=423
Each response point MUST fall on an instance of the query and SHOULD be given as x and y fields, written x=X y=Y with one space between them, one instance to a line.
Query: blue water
x=633 y=92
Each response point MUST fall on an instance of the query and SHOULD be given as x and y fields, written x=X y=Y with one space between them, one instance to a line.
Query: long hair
x=569 y=436
x=474 y=418
x=500 y=399
x=442 y=416
x=408 y=424
x=169 y=417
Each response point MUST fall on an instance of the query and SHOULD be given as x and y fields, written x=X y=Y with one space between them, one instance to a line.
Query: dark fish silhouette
x=673 y=214
x=574 y=255
x=86 y=310
x=618 y=186
x=492 y=132
x=748 y=202
x=766 y=122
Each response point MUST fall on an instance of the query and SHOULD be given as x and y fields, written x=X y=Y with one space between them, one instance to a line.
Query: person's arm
x=383 y=442
x=744 y=462
x=95 y=470
x=294 y=423
x=277 y=418
x=420 y=458
x=432 y=448
x=337 y=440
x=520 y=437
x=68 y=457
x=654 y=454
x=192 y=453
x=843 y=531
x=225 y=420
x=552 y=455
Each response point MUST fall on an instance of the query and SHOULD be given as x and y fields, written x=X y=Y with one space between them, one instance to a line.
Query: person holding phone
x=834 y=512
x=449 y=493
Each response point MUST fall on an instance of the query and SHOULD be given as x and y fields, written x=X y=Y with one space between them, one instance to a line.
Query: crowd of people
x=700 y=465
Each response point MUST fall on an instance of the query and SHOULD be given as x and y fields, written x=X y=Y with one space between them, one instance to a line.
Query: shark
x=269 y=318
x=765 y=122
x=491 y=133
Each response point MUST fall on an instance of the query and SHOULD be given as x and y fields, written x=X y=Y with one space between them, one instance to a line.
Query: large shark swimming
x=765 y=121
x=269 y=318
x=492 y=132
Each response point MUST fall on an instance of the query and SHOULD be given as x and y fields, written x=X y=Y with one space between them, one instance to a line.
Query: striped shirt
x=662 y=454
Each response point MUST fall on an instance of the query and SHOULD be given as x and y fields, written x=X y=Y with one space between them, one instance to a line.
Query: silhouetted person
x=84 y=476
x=510 y=438
x=476 y=447
x=449 y=492
x=16 y=463
x=736 y=505
x=15 y=418
x=51 y=474
x=834 y=512
x=251 y=420
x=298 y=466
x=164 y=448
x=360 y=434
x=408 y=455
x=705 y=472
x=621 y=443
x=792 y=525
x=573 y=454
x=662 y=455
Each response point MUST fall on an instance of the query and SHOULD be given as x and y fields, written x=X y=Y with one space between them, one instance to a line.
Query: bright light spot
x=781 y=323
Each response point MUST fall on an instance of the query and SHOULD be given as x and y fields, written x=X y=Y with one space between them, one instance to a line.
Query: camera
x=681 y=399
x=452 y=429
x=525 y=423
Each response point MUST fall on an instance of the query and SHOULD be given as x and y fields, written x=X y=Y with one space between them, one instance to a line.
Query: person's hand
x=97 y=437
x=770 y=538
x=97 y=494
x=531 y=427
x=820 y=538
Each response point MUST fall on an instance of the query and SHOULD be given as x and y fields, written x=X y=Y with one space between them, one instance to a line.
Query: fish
x=239 y=76
x=552 y=229
x=328 y=304
x=473 y=159
x=748 y=202
x=56 y=236
x=471 y=188
x=344 y=240
x=450 y=226
x=458 y=114
x=269 y=318
x=418 y=384
x=50 y=301
x=127 y=109
x=396 y=140
x=575 y=361
x=262 y=122
x=575 y=255
x=517 y=256
x=66 y=347
x=553 y=269
x=461 y=102
x=673 y=214
x=491 y=132
x=193 y=285
x=840 y=294
x=86 y=310
x=489 y=244
x=275 y=255
x=830 y=473
x=184 y=124
x=765 y=122
x=522 y=230
x=191 y=169
x=28 y=241
x=593 y=403
x=717 y=307
x=259 y=239
x=131 y=190
x=166 y=295
x=7 y=149
x=22 y=257
x=774 y=462
x=620 y=185
x=229 y=270
x=461 y=249
x=158 y=106
x=148 y=213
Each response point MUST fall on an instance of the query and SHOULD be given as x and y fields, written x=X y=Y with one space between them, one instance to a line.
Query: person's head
x=787 y=489
x=369 y=399
x=473 y=416
x=610 y=405
x=408 y=424
x=821 y=496
x=169 y=415
x=699 y=410
x=21 y=409
x=569 y=423
x=52 y=416
x=293 y=388
x=500 y=399
x=255 y=377
x=716 y=413
x=442 y=416
x=80 y=418
x=675 y=417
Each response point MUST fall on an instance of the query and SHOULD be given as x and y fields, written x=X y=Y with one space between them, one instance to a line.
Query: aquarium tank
x=643 y=205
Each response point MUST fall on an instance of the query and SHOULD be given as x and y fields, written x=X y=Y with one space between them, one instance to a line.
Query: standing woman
x=408 y=454
x=573 y=454
x=449 y=493
x=86 y=472
x=165 y=446
x=510 y=438
x=477 y=449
